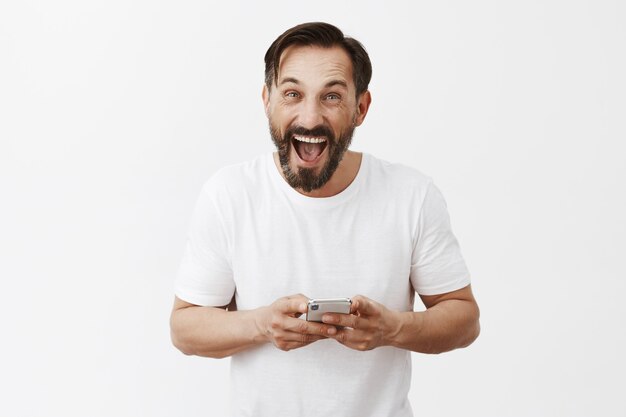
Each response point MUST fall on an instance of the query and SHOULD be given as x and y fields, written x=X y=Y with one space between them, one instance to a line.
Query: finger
x=344 y=320
x=299 y=341
x=293 y=304
x=344 y=336
x=291 y=337
x=354 y=339
x=308 y=327
x=307 y=339
x=363 y=305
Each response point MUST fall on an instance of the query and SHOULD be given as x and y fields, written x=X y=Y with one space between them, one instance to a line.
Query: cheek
x=276 y=117
x=281 y=116
x=343 y=121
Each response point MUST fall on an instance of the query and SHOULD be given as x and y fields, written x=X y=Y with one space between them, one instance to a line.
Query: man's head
x=323 y=35
x=315 y=95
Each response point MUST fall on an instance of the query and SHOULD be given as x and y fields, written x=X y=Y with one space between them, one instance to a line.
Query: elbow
x=473 y=334
x=184 y=334
x=187 y=347
x=473 y=330
x=180 y=344
x=178 y=336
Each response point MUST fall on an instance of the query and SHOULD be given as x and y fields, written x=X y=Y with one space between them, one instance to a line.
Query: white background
x=114 y=113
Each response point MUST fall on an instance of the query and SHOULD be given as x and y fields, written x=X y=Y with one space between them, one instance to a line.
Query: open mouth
x=309 y=148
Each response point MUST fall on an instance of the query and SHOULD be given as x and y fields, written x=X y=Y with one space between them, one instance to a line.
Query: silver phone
x=319 y=306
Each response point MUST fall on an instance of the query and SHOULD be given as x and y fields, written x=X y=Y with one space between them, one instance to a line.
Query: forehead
x=311 y=64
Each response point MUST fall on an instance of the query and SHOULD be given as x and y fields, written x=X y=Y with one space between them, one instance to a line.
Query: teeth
x=309 y=140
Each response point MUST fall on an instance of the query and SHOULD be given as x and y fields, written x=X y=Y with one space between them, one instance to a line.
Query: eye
x=292 y=94
x=333 y=96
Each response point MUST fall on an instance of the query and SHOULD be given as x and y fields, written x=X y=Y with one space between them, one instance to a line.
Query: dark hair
x=326 y=36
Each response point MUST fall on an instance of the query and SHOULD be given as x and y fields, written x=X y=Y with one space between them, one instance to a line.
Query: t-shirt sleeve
x=205 y=275
x=437 y=265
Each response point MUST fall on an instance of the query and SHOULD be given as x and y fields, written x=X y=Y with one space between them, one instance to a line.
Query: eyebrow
x=289 y=80
x=333 y=83
x=329 y=84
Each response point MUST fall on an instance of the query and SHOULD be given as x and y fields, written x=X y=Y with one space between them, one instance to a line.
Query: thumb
x=362 y=305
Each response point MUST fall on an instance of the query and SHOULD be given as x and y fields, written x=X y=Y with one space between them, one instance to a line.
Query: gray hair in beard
x=306 y=179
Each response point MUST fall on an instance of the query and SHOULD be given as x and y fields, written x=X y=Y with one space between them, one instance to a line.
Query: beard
x=308 y=179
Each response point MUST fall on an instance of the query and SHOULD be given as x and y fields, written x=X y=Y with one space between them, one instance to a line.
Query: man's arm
x=217 y=332
x=450 y=322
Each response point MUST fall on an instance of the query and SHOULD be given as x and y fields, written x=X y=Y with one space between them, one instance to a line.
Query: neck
x=344 y=175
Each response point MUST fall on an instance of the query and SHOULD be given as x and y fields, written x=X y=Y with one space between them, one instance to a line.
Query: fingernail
x=332 y=330
x=327 y=319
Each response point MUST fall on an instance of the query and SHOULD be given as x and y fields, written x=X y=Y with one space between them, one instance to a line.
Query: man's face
x=312 y=112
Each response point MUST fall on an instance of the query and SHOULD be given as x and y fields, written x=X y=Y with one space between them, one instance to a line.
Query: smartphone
x=319 y=306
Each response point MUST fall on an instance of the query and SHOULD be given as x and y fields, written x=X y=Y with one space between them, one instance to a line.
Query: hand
x=368 y=326
x=279 y=324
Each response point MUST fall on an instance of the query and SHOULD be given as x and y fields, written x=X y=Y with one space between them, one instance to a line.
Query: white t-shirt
x=385 y=236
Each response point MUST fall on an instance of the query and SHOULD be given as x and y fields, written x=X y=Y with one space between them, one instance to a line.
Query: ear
x=265 y=95
x=365 y=99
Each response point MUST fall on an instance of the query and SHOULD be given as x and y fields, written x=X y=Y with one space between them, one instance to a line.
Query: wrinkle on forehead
x=313 y=63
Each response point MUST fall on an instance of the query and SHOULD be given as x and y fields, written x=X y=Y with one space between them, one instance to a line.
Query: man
x=317 y=220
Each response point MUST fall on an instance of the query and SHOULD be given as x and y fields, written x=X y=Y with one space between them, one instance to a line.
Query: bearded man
x=316 y=220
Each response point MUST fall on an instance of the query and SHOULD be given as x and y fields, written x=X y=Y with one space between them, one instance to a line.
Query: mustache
x=319 y=130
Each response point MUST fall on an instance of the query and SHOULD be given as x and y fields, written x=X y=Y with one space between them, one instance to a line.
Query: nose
x=310 y=114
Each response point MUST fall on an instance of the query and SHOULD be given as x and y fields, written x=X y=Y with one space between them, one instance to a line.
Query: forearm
x=449 y=325
x=214 y=332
